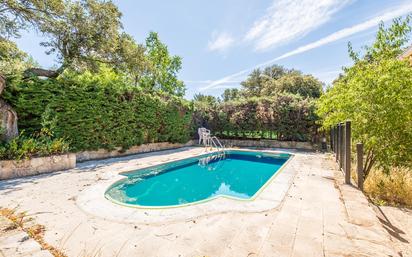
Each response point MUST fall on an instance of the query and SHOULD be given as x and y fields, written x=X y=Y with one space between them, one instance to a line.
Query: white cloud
x=338 y=35
x=343 y=33
x=220 y=42
x=286 y=20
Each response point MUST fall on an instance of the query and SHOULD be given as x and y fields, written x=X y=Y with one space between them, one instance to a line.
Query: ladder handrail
x=214 y=139
x=218 y=141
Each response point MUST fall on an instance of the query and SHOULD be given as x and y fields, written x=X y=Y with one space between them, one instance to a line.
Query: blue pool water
x=237 y=174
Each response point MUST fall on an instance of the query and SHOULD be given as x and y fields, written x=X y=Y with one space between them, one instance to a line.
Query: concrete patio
x=318 y=216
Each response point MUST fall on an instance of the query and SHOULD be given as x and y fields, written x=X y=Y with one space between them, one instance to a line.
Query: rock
x=8 y=117
x=2 y=83
x=8 y=121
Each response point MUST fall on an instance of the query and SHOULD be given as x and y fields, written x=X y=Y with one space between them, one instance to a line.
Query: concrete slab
x=314 y=218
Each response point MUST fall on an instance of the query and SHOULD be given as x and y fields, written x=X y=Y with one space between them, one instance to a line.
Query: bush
x=40 y=144
x=375 y=94
x=93 y=111
x=283 y=116
x=393 y=188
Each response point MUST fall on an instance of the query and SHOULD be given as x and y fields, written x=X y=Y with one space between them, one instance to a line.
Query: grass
x=394 y=189
x=36 y=231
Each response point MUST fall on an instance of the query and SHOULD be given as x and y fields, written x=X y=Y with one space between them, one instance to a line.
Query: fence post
x=342 y=145
x=337 y=142
x=331 y=137
x=335 y=145
x=359 y=168
x=347 y=161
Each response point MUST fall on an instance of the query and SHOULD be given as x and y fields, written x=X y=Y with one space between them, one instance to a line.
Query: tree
x=163 y=68
x=207 y=99
x=83 y=34
x=12 y=59
x=16 y=15
x=375 y=93
x=252 y=86
x=276 y=79
x=294 y=83
x=231 y=94
x=86 y=34
x=131 y=59
x=256 y=80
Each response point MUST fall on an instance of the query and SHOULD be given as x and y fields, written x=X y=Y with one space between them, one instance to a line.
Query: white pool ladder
x=215 y=142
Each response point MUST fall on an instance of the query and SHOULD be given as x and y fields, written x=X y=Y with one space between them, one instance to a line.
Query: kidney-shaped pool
x=234 y=174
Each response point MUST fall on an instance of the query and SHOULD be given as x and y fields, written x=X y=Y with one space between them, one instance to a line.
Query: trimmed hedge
x=282 y=117
x=99 y=111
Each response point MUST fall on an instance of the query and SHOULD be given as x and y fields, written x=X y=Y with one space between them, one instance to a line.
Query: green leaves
x=376 y=94
x=163 y=68
x=36 y=145
x=287 y=116
x=276 y=102
x=274 y=80
x=86 y=36
x=93 y=111
x=12 y=59
x=16 y=15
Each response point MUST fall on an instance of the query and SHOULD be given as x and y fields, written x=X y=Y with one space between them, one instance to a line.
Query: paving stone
x=319 y=216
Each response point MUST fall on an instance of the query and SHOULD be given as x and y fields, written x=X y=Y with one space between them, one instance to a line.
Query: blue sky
x=221 y=41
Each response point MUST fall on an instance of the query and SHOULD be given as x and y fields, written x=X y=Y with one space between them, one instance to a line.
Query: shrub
x=40 y=144
x=93 y=111
x=375 y=93
x=394 y=188
x=284 y=116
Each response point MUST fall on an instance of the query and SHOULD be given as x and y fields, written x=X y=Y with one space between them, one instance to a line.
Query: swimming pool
x=235 y=174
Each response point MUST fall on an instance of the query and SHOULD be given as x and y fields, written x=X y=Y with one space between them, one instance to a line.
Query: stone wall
x=8 y=117
x=14 y=169
x=267 y=144
x=103 y=153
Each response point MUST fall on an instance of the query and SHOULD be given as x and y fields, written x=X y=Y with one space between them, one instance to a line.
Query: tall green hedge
x=282 y=117
x=99 y=111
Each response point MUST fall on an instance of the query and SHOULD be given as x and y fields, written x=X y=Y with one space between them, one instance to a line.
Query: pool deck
x=316 y=215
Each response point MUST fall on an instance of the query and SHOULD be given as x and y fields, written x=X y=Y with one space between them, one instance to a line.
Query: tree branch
x=39 y=72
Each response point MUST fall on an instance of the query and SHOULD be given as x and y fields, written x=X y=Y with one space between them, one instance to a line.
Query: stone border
x=14 y=169
x=92 y=200
x=152 y=147
x=266 y=143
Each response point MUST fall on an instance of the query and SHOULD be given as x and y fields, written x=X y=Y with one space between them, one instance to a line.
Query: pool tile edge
x=93 y=202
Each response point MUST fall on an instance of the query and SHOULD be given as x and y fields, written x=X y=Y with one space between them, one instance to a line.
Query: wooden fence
x=340 y=144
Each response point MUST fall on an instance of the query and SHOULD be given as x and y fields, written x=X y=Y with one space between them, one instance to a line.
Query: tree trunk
x=369 y=162
x=8 y=117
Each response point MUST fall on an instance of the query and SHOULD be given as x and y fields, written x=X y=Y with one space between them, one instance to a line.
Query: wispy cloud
x=220 y=41
x=338 y=35
x=286 y=20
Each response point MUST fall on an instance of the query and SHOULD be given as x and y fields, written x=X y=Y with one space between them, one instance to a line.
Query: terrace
x=314 y=214
x=112 y=146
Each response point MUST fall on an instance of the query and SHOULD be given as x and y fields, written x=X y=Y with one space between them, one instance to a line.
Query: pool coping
x=255 y=195
x=93 y=201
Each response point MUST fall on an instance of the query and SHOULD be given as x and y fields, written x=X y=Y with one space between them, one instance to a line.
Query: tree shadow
x=390 y=228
